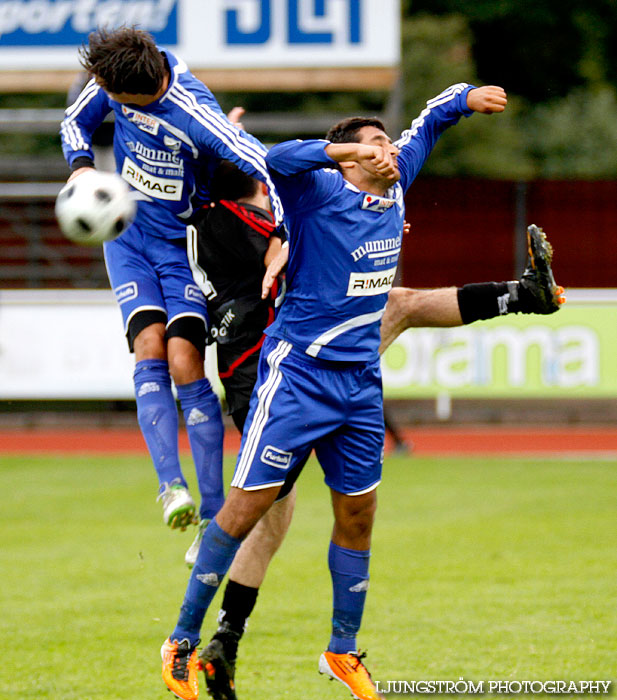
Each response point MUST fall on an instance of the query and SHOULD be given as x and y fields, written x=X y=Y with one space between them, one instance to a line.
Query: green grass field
x=482 y=568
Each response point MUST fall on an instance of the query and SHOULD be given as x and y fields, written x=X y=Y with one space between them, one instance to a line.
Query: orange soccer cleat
x=180 y=668
x=351 y=672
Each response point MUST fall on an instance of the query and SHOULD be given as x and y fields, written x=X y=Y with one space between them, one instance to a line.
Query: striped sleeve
x=416 y=143
x=215 y=134
x=80 y=121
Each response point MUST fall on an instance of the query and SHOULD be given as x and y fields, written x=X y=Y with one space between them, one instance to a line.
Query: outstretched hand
x=234 y=115
x=273 y=270
x=487 y=100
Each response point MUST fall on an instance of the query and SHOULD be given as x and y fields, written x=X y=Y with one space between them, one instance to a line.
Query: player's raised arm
x=440 y=113
x=487 y=100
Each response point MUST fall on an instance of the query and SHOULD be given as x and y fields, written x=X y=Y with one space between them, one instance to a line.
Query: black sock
x=238 y=604
x=477 y=302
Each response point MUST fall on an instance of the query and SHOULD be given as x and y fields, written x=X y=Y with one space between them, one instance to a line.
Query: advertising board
x=250 y=34
x=70 y=344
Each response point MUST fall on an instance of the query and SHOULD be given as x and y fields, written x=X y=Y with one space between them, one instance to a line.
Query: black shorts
x=238 y=373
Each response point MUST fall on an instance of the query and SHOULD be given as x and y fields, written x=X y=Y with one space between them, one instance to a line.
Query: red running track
x=426 y=441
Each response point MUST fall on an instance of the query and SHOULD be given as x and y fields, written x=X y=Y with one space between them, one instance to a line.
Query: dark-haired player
x=319 y=382
x=169 y=132
x=230 y=243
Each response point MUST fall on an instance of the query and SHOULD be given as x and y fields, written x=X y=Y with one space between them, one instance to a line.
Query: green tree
x=437 y=53
x=575 y=137
x=539 y=49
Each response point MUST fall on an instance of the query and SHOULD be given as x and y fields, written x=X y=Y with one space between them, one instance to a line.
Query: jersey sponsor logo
x=368 y=284
x=378 y=249
x=157 y=187
x=374 y=203
x=142 y=121
x=224 y=325
x=193 y=293
x=275 y=457
x=157 y=161
x=126 y=292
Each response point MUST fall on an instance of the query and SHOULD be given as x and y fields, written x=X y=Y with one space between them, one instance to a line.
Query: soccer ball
x=94 y=207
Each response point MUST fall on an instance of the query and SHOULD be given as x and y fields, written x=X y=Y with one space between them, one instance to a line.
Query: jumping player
x=320 y=361
x=169 y=133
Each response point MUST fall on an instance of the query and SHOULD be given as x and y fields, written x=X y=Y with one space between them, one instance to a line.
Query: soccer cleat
x=191 y=553
x=178 y=506
x=351 y=672
x=180 y=668
x=219 y=671
x=543 y=296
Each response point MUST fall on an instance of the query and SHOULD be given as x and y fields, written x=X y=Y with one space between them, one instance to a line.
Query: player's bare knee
x=149 y=343
x=186 y=344
x=354 y=516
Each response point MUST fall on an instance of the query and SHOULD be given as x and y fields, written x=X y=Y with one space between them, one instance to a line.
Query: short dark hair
x=346 y=131
x=124 y=60
x=231 y=183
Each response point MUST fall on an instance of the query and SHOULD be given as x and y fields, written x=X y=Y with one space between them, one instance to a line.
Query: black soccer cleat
x=542 y=295
x=219 y=671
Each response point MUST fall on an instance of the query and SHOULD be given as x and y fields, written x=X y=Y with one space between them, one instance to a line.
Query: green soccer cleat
x=542 y=294
x=178 y=506
x=191 y=553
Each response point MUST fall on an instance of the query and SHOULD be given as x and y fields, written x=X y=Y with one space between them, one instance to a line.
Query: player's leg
x=245 y=578
x=203 y=420
x=535 y=293
x=186 y=342
x=273 y=446
x=136 y=286
x=419 y=308
x=352 y=460
x=251 y=562
x=241 y=510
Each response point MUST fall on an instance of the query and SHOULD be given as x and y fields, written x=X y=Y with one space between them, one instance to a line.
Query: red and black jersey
x=232 y=240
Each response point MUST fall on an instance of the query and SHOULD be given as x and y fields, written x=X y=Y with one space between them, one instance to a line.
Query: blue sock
x=216 y=553
x=349 y=571
x=204 y=425
x=157 y=415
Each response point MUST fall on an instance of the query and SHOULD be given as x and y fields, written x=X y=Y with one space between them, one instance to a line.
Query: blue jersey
x=344 y=244
x=164 y=149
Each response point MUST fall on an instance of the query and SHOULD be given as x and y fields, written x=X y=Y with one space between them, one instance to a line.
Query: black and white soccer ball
x=94 y=207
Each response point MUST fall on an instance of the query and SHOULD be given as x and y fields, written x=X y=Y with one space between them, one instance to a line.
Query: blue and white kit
x=165 y=151
x=319 y=382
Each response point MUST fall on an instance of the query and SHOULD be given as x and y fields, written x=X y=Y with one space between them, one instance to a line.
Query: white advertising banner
x=67 y=344
x=45 y=34
x=70 y=344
